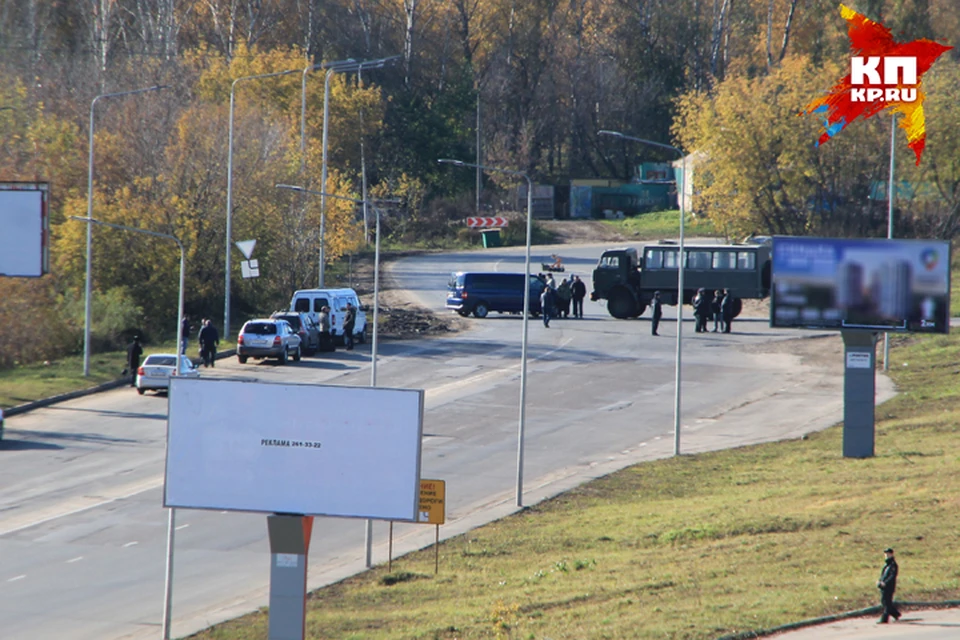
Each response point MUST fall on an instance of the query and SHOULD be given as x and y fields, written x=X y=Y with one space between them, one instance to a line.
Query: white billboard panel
x=304 y=449
x=23 y=227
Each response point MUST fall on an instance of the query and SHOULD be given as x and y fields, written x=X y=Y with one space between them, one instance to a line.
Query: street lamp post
x=526 y=313
x=681 y=196
x=376 y=313
x=87 y=283
x=334 y=67
x=226 y=297
x=890 y=188
x=171 y=516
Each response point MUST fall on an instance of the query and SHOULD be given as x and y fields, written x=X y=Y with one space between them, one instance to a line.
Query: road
x=82 y=529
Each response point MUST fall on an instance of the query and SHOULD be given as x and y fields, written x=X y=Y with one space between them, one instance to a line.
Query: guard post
x=859 y=393
x=289 y=544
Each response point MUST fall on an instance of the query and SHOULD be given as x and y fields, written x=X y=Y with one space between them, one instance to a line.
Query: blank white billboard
x=23 y=250
x=302 y=449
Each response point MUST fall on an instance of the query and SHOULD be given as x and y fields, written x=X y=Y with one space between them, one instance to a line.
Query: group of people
x=208 y=337
x=716 y=306
x=555 y=300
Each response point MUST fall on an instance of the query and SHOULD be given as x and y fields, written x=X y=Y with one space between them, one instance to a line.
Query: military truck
x=627 y=280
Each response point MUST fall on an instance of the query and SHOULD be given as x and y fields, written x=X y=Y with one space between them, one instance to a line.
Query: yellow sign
x=432 y=494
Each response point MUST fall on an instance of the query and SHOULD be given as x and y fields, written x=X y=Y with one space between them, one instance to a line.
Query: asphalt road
x=82 y=529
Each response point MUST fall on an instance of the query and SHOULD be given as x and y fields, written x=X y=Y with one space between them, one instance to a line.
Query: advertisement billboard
x=320 y=450
x=25 y=229
x=882 y=285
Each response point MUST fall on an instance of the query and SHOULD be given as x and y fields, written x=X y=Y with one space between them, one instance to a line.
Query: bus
x=627 y=279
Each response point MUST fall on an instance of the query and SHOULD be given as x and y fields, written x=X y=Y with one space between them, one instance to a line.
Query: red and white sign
x=489 y=223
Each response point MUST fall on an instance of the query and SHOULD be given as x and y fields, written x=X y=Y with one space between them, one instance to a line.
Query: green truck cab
x=627 y=279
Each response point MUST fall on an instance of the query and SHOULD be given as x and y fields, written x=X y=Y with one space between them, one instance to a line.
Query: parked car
x=310 y=301
x=306 y=328
x=481 y=293
x=268 y=338
x=157 y=368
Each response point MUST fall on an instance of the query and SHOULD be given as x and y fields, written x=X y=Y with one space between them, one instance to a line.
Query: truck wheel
x=622 y=304
x=737 y=306
x=642 y=307
x=481 y=310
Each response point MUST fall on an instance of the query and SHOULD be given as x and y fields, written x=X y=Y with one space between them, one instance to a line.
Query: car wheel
x=242 y=359
x=481 y=310
x=139 y=390
x=296 y=355
x=283 y=357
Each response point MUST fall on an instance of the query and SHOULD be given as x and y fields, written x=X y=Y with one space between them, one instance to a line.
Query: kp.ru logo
x=884 y=74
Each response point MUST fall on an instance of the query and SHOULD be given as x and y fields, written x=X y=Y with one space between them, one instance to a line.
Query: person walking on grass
x=888 y=585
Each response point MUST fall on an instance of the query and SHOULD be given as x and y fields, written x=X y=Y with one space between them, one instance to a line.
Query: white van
x=310 y=301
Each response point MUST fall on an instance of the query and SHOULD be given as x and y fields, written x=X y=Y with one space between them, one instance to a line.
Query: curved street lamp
x=87 y=284
x=334 y=67
x=226 y=297
x=681 y=197
x=526 y=311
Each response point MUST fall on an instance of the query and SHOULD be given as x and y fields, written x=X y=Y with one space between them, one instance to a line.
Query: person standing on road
x=657 y=311
x=546 y=305
x=184 y=335
x=323 y=320
x=715 y=310
x=564 y=295
x=134 y=351
x=209 y=339
x=887 y=585
x=579 y=291
x=701 y=307
x=349 y=320
x=726 y=310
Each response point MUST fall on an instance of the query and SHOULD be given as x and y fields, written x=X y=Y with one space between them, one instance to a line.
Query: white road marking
x=183 y=526
x=77 y=559
x=80 y=504
x=20 y=577
x=130 y=544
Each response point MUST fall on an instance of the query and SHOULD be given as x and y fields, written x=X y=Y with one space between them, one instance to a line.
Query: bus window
x=669 y=259
x=724 y=260
x=699 y=259
x=654 y=259
x=746 y=260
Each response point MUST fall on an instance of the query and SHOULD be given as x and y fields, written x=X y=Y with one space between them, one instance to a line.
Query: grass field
x=693 y=546
x=663 y=224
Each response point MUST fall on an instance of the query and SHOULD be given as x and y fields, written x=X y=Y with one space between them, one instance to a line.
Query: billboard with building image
x=873 y=284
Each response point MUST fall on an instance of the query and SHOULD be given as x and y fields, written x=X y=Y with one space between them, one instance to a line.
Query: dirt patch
x=399 y=317
x=581 y=231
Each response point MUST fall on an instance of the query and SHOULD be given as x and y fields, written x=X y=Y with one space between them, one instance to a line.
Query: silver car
x=268 y=338
x=157 y=368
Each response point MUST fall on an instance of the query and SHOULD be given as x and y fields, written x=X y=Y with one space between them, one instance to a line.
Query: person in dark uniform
x=726 y=310
x=887 y=585
x=134 y=351
x=715 y=310
x=209 y=339
x=701 y=309
x=184 y=335
x=579 y=293
x=657 y=310
x=349 y=321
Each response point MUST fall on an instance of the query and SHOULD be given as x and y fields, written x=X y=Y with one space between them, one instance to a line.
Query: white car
x=157 y=368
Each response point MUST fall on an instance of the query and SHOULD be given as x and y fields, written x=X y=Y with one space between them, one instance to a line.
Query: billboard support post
x=289 y=545
x=859 y=393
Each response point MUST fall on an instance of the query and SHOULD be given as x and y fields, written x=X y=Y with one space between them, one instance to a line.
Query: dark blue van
x=481 y=293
